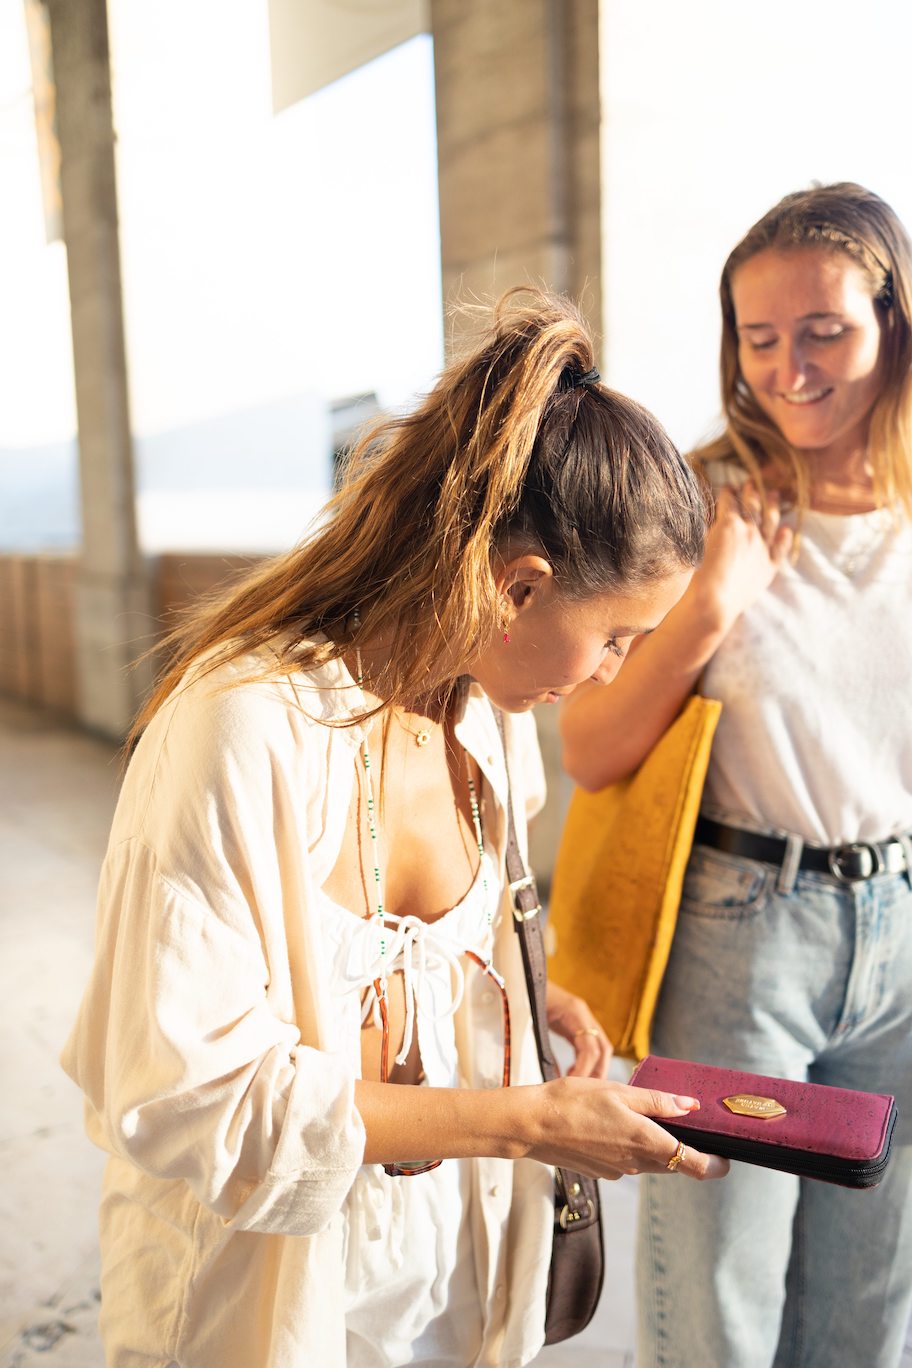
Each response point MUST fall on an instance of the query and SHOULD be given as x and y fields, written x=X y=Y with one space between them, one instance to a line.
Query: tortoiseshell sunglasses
x=408 y=1168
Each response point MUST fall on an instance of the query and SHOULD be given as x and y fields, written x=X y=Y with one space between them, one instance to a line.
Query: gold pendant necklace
x=422 y=736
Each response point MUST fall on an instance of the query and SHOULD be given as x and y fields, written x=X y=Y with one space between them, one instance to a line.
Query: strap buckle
x=568 y=1216
x=519 y=886
x=849 y=863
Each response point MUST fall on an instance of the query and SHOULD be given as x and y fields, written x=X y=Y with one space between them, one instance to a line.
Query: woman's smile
x=807 y=396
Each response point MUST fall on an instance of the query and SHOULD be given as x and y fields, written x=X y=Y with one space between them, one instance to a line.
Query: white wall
x=271 y=265
x=265 y=255
x=712 y=111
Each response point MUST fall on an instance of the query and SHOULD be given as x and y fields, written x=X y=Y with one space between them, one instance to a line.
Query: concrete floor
x=57 y=792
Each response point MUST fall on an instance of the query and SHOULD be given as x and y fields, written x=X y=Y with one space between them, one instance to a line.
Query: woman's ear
x=521 y=578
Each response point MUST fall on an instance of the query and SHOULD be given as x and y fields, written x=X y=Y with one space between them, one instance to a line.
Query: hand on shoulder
x=745 y=549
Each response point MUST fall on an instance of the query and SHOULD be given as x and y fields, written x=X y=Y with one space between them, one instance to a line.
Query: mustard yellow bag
x=618 y=875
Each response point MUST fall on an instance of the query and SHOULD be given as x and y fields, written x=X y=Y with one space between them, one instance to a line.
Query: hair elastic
x=591 y=377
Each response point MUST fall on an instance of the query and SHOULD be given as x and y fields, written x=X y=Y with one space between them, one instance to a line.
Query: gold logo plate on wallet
x=748 y=1104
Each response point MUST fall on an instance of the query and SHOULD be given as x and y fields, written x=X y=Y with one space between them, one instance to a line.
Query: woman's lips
x=806 y=397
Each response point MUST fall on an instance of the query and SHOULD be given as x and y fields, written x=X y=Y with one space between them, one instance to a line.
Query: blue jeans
x=763 y=1270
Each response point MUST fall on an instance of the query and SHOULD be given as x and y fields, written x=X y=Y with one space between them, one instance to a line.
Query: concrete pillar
x=112 y=620
x=518 y=120
x=518 y=147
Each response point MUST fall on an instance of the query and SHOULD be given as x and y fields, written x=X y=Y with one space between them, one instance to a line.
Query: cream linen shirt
x=206 y=1049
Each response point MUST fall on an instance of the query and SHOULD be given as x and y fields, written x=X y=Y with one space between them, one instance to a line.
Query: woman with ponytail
x=294 y=1042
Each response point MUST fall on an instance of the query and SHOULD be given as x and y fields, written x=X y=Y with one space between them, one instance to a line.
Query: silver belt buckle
x=869 y=858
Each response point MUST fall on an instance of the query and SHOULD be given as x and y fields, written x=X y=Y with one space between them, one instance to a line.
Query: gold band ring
x=677 y=1157
x=587 y=1030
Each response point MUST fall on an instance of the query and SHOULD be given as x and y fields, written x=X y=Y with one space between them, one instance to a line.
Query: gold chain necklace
x=422 y=735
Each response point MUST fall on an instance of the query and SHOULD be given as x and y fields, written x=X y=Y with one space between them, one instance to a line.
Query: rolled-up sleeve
x=188 y=1045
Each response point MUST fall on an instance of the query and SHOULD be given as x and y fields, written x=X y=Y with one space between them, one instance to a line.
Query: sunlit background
x=273 y=266
x=277 y=264
x=292 y=241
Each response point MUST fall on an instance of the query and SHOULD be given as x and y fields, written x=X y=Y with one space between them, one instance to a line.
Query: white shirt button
x=500 y=1292
x=487 y=997
x=495 y=1191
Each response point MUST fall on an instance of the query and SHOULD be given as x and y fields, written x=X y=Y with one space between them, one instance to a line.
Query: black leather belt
x=848 y=863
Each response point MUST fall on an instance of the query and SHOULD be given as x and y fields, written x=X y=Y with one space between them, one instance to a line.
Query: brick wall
x=37 y=647
x=179 y=577
x=38 y=610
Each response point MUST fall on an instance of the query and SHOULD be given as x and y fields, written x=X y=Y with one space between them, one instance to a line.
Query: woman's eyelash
x=812 y=337
x=612 y=645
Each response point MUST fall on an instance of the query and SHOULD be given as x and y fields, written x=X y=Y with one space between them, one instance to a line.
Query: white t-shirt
x=815 y=736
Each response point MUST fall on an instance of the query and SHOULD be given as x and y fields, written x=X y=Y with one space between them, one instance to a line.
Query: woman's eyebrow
x=805 y=318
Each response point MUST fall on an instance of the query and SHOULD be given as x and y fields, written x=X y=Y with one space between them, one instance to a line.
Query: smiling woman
x=817 y=351
x=792 y=953
x=809 y=350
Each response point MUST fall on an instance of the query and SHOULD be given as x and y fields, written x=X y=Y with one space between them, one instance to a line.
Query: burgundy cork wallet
x=835 y=1134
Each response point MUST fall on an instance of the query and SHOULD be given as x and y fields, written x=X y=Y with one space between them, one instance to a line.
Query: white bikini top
x=432 y=959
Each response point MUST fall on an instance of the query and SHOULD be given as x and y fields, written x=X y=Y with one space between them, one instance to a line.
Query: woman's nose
x=607 y=670
x=792 y=369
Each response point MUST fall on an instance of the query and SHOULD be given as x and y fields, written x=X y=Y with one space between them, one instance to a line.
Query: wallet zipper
x=751 y=1151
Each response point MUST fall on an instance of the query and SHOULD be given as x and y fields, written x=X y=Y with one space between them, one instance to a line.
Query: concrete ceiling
x=314 y=42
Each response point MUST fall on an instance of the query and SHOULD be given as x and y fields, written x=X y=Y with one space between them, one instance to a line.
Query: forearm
x=409 y=1123
x=587 y=1124
x=607 y=732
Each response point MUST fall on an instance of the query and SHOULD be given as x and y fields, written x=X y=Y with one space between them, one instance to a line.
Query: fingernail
x=688 y=1104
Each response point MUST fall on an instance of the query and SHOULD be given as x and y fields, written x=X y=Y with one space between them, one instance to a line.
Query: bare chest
x=426 y=847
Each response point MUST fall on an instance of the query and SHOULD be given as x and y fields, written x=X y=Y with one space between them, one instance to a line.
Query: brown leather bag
x=577 y=1254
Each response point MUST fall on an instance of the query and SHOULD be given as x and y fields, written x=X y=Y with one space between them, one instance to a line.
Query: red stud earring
x=506 y=638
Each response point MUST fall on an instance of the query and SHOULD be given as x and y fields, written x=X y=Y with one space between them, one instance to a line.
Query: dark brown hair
x=508 y=450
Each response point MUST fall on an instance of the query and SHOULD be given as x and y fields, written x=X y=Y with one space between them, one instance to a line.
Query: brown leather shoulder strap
x=527 y=913
x=579 y=1195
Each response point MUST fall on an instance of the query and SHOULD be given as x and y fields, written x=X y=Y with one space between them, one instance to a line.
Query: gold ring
x=587 y=1030
x=677 y=1157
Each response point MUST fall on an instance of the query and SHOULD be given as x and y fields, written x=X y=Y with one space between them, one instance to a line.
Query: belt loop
x=788 y=870
x=905 y=840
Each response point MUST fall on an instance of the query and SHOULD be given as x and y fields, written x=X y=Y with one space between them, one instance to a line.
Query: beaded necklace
x=379 y=916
